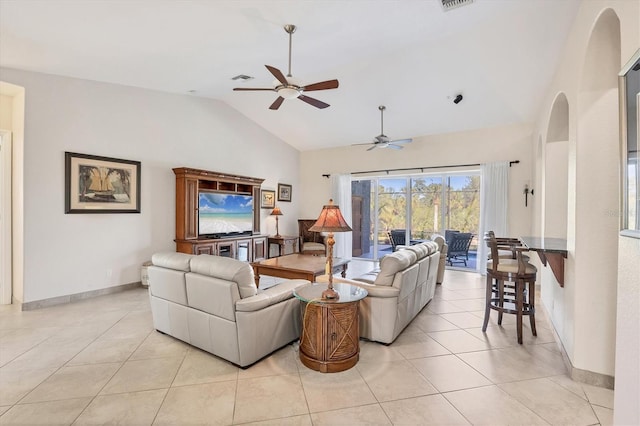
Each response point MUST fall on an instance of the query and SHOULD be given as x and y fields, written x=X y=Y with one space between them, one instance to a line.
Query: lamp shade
x=276 y=212
x=330 y=220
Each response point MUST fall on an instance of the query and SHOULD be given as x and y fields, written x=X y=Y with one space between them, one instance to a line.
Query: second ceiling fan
x=288 y=87
x=382 y=140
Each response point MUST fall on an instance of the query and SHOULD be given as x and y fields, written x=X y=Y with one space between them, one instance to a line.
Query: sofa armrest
x=270 y=296
x=372 y=289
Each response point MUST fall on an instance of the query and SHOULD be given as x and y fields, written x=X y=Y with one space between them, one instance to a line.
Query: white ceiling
x=409 y=55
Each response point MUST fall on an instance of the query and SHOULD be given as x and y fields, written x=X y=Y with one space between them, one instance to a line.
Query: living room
x=55 y=253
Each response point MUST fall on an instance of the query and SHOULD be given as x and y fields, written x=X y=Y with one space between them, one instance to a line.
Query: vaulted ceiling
x=409 y=55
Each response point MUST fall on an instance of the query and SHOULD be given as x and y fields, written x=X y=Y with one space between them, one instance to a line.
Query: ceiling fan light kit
x=382 y=140
x=288 y=87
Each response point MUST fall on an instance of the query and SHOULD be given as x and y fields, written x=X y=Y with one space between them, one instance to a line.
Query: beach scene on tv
x=225 y=213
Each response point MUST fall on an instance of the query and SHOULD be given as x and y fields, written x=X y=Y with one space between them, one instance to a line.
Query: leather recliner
x=213 y=303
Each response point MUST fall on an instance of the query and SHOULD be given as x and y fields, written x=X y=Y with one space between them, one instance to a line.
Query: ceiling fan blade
x=277 y=74
x=323 y=85
x=312 y=101
x=402 y=141
x=394 y=146
x=373 y=147
x=365 y=143
x=237 y=89
x=276 y=104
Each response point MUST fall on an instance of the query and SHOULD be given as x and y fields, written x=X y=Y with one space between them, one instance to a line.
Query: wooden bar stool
x=511 y=286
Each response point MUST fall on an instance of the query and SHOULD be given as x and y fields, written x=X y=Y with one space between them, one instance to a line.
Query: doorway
x=402 y=210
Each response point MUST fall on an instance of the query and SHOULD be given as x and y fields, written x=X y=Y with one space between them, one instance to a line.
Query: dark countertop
x=549 y=245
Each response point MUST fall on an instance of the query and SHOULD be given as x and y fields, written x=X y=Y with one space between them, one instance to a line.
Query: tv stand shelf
x=189 y=183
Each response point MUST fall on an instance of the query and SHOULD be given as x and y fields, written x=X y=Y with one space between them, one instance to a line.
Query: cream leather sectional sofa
x=398 y=290
x=212 y=303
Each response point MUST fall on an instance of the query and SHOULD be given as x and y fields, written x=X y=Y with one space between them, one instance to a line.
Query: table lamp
x=330 y=221
x=276 y=212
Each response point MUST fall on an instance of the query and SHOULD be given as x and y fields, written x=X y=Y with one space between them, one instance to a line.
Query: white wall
x=71 y=253
x=506 y=143
x=589 y=332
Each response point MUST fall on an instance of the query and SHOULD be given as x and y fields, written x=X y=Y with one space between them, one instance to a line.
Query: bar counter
x=550 y=250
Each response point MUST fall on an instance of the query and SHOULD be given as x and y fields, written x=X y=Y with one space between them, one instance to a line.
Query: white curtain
x=341 y=193
x=493 y=205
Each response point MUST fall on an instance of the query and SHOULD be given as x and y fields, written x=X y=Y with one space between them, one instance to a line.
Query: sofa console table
x=550 y=250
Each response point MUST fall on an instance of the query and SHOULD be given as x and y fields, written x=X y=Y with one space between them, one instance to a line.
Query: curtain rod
x=421 y=168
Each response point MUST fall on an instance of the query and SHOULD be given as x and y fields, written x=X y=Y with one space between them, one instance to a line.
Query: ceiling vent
x=452 y=4
x=242 y=77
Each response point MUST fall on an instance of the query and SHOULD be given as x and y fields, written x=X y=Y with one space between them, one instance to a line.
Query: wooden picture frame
x=267 y=199
x=284 y=192
x=95 y=184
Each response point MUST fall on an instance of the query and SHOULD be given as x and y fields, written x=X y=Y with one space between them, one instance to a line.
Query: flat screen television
x=221 y=214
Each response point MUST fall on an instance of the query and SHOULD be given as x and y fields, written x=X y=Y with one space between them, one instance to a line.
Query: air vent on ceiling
x=452 y=4
x=242 y=77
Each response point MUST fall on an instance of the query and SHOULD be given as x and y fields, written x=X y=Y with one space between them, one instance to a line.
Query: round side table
x=329 y=341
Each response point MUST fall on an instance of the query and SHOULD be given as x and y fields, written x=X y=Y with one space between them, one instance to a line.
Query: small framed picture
x=267 y=199
x=96 y=184
x=284 y=192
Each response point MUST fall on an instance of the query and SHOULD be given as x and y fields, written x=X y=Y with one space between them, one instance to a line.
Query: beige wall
x=506 y=143
x=5 y=112
x=71 y=253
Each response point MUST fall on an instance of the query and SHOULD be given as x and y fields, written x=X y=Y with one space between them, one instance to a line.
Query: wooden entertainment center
x=189 y=183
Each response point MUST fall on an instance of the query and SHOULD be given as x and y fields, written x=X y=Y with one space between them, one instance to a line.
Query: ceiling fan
x=288 y=88
x=382 y=140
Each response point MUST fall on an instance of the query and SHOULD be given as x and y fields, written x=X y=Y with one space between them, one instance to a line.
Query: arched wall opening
x=596 y=201
x=556 y=169
x=554 y=212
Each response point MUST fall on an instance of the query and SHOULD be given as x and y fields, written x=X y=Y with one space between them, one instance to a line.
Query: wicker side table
x=330 y=336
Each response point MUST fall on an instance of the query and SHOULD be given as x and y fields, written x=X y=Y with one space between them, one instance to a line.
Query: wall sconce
x=526 y=192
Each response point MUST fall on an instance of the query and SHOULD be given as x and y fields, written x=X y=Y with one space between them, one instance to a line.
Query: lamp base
x=330 y=294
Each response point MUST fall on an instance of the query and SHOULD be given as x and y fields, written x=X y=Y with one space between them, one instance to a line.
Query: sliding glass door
x=391 y=211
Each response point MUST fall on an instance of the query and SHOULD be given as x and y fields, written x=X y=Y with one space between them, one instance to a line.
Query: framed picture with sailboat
x=95 y=184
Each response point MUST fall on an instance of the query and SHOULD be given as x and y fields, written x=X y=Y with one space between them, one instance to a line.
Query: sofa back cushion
x=166 y=276
x=226 y=269
x=212 y=295
x=172 y=260
x=392 y=264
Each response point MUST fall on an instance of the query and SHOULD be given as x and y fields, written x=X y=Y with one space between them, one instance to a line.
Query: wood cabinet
x=189 y=183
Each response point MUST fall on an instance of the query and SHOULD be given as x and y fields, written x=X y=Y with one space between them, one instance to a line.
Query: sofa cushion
x=270 y=296
x=172 y=260
x=419 y=249
x=227 y=269
x=393 y=263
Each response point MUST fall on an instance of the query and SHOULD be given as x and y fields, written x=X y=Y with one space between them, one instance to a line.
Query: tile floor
x=100 y=361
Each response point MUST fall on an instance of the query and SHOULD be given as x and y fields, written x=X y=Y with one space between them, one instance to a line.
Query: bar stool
x=511 y=286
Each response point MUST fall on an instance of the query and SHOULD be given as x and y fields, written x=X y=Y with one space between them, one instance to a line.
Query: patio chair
x=459 y=247
x=397 y=238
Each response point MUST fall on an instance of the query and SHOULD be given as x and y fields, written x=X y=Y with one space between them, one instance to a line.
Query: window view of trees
x=437 y=203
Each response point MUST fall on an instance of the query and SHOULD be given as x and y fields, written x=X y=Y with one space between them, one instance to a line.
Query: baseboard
x=61 y=300
x=577 y=374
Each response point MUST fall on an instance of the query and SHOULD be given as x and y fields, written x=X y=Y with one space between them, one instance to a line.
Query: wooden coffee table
x=292 y=266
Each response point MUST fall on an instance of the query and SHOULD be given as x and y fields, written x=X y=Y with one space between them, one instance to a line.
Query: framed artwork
x=267 y=199
x=96 y=184
x=284 y=192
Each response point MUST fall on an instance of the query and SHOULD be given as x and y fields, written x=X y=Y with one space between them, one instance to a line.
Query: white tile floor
x=100 y=361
